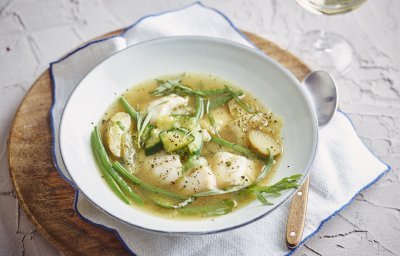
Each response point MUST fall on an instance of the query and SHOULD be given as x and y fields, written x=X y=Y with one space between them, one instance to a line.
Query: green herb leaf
x=174 y=87
x=283 y=184
x=265 y=170
x=128 y=108
x=243 y=105
x=144 y=125
x=173 y=205
x=261 y=198
x=275 y=189
x=220 y=101
x=224 y=207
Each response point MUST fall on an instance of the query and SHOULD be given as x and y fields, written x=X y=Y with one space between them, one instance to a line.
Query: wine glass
x=322 y=49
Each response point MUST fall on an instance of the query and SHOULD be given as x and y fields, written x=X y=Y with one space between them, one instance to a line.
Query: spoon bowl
x=322 y=88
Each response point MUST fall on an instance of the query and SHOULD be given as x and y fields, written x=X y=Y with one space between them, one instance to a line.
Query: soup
x=192 y=145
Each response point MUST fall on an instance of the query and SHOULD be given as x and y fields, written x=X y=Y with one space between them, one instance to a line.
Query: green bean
x=108 y=167
x=125 y=187
x=128 y=108
x=95 y=139
x=240 y=149
x=132 y=178
x=215 y=192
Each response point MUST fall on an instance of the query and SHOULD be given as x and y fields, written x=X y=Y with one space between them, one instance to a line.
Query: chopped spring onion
x=199 y=108
x=174 y=86
x=211 y=118
x=143 y=126
x=128 y=151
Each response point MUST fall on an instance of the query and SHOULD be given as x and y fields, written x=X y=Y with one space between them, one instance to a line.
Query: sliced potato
x=264 y=143
x=119 y=123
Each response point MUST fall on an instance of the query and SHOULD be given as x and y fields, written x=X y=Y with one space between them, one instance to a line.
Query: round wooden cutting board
x=44 y=195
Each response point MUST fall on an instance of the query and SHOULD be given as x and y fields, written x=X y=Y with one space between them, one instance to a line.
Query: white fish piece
x=232 y=170
x=221 y=117
x=199 y=179
x=165 y=168
x=118 y=125
x=241 y=126
x=165 y=105
x=235 y=110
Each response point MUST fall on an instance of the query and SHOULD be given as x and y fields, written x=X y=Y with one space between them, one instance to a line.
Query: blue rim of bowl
x=229 y=43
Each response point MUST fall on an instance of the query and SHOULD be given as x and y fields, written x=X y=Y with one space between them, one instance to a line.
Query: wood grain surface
x=45 y=196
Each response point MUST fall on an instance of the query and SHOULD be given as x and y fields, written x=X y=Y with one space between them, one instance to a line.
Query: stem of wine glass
x=324 y=50
x=323 y=43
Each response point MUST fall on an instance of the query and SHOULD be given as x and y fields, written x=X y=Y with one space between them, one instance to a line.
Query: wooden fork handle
x=297 y=215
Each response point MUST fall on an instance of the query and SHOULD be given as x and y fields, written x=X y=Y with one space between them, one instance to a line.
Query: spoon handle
x=297 y=215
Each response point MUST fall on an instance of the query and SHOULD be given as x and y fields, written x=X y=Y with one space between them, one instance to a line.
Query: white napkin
x=343 y=166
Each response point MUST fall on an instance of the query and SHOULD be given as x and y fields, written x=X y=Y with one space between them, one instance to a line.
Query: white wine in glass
x=330 y=7
x=321 y=49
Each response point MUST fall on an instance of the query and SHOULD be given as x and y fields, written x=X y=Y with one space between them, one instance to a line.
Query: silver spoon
x=322 y=89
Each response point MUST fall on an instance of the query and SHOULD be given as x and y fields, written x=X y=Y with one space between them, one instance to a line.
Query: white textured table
x=33 y=33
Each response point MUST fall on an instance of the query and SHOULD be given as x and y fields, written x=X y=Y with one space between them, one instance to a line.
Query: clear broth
x=139 y=97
